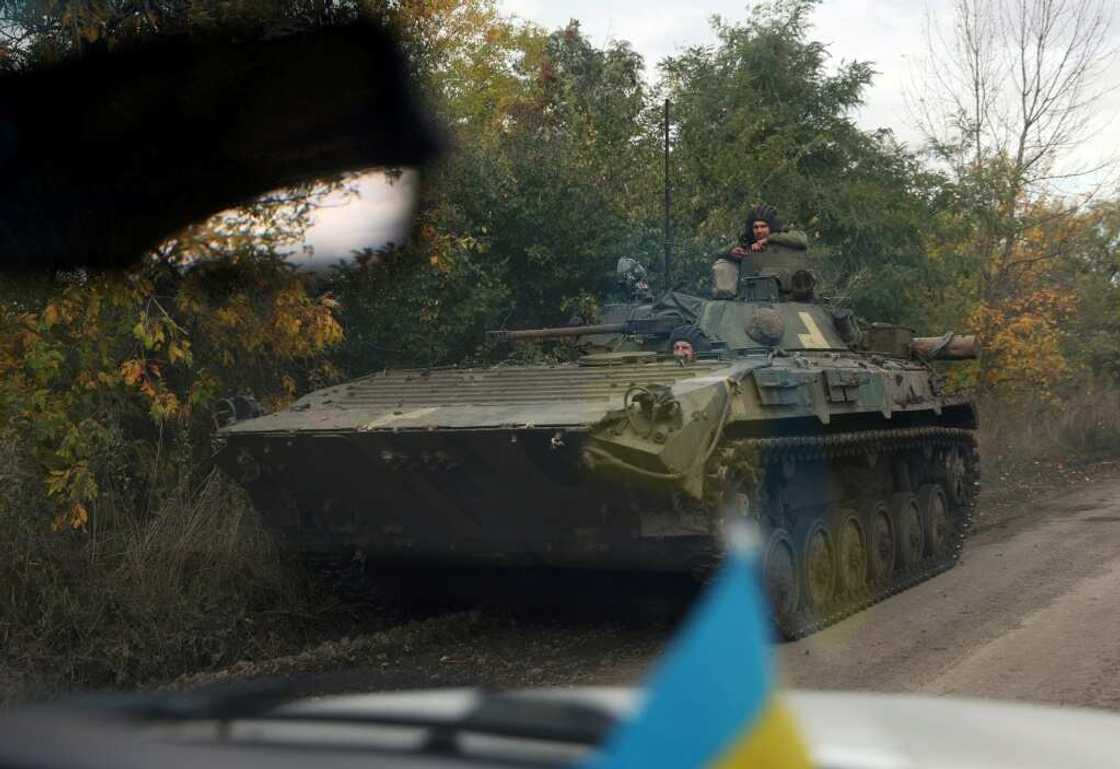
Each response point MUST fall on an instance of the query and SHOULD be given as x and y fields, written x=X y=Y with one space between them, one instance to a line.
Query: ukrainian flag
x=712 y=701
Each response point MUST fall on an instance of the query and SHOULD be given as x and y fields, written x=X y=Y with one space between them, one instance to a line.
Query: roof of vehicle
x=569 y=395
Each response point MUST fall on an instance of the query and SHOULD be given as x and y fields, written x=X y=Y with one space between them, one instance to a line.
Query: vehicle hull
x=495 y=497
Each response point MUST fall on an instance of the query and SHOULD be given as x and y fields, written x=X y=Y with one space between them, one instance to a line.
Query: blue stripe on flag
x=713 y=684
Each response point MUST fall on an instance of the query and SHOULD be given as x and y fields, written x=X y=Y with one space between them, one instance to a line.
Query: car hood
x=847 y=730
x=842 y=730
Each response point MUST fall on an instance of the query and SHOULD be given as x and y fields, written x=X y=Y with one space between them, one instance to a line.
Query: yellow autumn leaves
x=145 y=355
x=1023 y=295
x=1023 y=340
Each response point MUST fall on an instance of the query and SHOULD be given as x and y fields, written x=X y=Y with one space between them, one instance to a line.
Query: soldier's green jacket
x=794 y=239
x=784 y=250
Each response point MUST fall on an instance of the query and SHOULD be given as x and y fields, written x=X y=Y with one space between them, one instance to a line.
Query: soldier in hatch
x=763 y=234
x=682 y=349
x=686 y=341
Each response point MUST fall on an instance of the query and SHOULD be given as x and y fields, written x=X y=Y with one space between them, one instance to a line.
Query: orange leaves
x=325 y=330
x=74 y=517
x=78 y=516
x=73 y=486
x=107 y=368
x=132 y=371
x=287 y=324
x=1015 y=294
x=273 y=326
x=146 y=376
x=51 y=315
x=1022 y=341
x=304 y=326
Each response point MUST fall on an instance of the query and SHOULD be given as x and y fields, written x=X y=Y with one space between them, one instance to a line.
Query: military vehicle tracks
x=849 y=519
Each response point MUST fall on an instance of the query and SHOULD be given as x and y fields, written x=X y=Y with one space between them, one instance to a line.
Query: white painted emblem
x=814 y=340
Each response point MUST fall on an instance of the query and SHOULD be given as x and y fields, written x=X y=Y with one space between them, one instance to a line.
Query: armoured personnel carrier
x=833 y=436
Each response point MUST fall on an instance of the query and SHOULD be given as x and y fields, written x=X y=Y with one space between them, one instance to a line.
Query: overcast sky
x=888 y=33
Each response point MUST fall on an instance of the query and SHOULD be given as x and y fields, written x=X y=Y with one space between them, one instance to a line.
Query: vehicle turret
x=763 y=322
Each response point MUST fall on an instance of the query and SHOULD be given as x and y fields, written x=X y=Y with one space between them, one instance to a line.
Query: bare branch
x=1018 y=79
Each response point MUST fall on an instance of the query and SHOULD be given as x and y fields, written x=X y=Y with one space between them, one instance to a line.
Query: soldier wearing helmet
x=762 y=234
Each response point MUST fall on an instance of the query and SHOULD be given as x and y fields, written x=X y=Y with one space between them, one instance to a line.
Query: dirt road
x=1032 y=612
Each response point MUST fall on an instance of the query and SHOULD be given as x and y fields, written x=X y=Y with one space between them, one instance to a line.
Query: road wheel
x=935 y=514
x=955 y=472
x=882 y=548
x=851 y=548
x=779 y=573
x=908 y=526
x=819 y=564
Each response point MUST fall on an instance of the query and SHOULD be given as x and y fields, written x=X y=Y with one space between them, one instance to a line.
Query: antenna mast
x=668 y=199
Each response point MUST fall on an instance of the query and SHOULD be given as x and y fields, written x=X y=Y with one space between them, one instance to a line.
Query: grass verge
x=196 y=585
x=195 y=591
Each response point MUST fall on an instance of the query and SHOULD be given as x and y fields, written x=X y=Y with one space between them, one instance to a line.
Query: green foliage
x=760 y=119
x=123 y=558
x=398 y=311
x=530 y=212
x=38 y=32
x=108 y=383
x=102 y=373
x=1093 y=272
x=557 y=174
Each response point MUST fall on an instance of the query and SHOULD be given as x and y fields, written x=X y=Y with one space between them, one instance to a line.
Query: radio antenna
x=668 y=201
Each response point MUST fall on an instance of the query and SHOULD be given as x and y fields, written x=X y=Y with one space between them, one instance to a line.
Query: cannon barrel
x=954 y=347
x=558 y=333
x=655 y=326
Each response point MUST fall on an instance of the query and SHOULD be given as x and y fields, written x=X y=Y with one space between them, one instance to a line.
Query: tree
x=111 y=380
x=1008 y=93
x=38 y=32
x=1015 y=81
x=1093 y=271
x=761 y=118
x=553 y=178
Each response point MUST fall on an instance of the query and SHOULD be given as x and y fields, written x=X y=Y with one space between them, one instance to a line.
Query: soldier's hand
x=737 y=251
x=759 y=245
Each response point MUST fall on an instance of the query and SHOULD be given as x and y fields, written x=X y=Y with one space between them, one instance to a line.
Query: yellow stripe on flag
x=711 y=702
x=771 y=743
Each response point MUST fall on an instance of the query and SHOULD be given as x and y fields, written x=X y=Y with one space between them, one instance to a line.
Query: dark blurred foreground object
x=105 y=156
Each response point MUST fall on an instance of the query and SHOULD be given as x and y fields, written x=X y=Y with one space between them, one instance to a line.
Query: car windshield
x=291 y=384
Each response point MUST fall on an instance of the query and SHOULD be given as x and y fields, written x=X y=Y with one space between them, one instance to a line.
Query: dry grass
x=196 y=586
x=1083 y=425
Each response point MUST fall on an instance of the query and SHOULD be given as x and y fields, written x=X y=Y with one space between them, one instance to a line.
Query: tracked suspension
x=825 y=561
